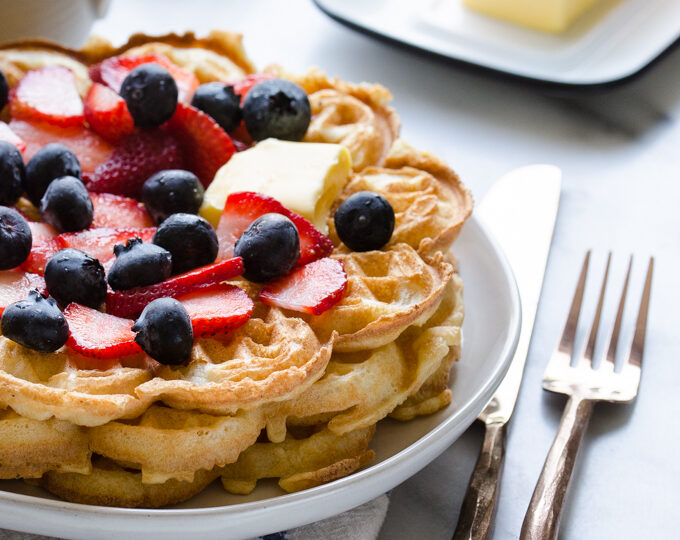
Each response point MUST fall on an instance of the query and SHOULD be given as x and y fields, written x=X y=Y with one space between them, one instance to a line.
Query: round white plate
x=490 y=332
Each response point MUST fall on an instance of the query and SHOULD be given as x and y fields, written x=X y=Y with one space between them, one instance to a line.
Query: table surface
x=620 y=154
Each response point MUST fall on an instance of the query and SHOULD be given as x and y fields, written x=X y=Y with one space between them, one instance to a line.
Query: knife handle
x=476 y=514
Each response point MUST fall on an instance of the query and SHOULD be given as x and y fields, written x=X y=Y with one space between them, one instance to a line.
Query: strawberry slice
x=116 y=211
x=99 y=335
x=217 y=310
x=313 y=288
x=244 y=207
x=135 y=159
x=131 y=303
x=15 y=285
x=107 y=113
x=47 y=94
x=6 y=134
x=45 y=244
x=243 y=86
x=206 y=145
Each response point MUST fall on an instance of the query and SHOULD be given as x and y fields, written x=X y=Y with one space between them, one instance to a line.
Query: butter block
x=305 y=177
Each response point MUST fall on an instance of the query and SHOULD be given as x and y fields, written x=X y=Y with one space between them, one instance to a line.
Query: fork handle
x=542 y=519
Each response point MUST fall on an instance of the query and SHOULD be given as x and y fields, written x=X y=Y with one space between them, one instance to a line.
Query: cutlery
x=520 y=211
x=585 y=386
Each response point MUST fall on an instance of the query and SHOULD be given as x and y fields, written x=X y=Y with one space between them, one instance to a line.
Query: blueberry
x=15 y=238
x=172 y=191
x=72 y=275
x=151 y=95
x=51 y=161
x=270 y=247
x=219 y=101
x=365 y=221
x=4 y=90
x=36 y=323
x=277 y=108
x=191 y=240
x=66 y=205
x=138 y=264
x=12 y=174
x=164 y=331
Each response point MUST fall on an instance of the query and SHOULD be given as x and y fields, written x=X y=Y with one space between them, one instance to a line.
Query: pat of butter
x=546 y=15
x=305 y=177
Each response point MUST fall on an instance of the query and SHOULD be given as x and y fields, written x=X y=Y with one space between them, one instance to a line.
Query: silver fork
x=584 y=386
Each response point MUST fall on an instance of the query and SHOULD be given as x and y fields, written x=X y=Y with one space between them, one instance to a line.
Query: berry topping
x=130 y=303
x=164 y=331
x=277 y=108
x=4 y=90
x=107 y=113
x=206 y=145
x=269 y=247
x=217 y=310
x=15 y=285
x=190 y=239
x=12 y=174
x=45 y=244
x=99 y=335
x=220 y=102
x=66 y=205
x=136 y=158
x=138 y=264
x=116 y=211
x=312 y=288
x=52 y=161
x=15 y=238
x=364 y=221
x=151 y=95
x=36 y=323
x=47 y=94
x=6 y=134
x=172 y=191
x=244 y=85
x=73 y=276
x=244 y=207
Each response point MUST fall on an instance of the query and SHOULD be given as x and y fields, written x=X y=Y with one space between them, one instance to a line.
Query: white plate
x=610 y=43
x=491 y=329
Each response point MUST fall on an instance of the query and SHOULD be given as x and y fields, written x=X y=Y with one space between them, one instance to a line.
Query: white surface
x=609 y=42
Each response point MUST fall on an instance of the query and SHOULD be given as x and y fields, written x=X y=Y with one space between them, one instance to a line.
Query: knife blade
x=520 y=211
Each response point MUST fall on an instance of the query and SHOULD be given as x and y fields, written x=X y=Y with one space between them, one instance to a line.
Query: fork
x=585 y=386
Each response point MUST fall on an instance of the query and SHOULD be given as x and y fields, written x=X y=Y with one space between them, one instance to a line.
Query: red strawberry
x=217 y=310
x=313 y=288
x=14 y=286
x=107 y=113
x=48 y=94
x=113 y=71
x=45 y=244
x=116 y=211
x=244 y=207
x=99 y=335
x=206 y=145
x=243 y=86
x=136 y=158
x=6 y=134
x=131 y=303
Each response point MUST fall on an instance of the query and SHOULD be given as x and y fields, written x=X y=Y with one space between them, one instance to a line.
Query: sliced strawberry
x=107 y=113
x=6 y=134
x=45 y=244
x=113 y=71
x=131 y=303
x=217 y=310
x=312 y=288
x=47 y=94
x=89 y=147
x=99 y=335
x=133 y=161
x=15 y=285
x=206 y=145
x=116 y=211
x=243 y=86
x=244 y=207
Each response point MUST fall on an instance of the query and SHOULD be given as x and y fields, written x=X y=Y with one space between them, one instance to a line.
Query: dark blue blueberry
x=269 y=247
x=151 y=95
x=277 y=108
x=74 y=276
x=170 y=192
x=220 y=102
x=4 y=90
x=365 y=221
x=66 y=205
x=190 y=239
x=138 y=264
x=51 y=161
x=12 y=174
x=15 y=238
x=36 y=323
x=164 y=331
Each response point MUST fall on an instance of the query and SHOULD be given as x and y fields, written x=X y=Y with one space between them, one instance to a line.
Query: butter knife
x=520 y=211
